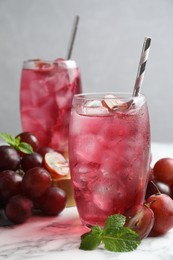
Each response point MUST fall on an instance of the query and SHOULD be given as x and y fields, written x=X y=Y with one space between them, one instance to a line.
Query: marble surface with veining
x=53 y=238
x=59 y=238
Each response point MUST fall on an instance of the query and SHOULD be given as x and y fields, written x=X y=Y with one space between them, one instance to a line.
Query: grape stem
x=158 y=191
x=150 y=203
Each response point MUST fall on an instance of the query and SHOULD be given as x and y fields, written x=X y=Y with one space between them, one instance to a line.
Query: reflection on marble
x=40 y=235
x=59 y=237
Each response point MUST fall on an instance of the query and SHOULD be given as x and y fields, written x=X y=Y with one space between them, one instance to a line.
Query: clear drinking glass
x=47 y=89
x=109 y=151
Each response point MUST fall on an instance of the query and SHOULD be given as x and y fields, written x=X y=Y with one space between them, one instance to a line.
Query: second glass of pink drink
x=109 y=148
x=47 y=89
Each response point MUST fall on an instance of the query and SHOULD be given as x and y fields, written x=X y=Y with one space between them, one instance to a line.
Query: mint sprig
x=92 y=239
x=114 y=236
x=16 y=143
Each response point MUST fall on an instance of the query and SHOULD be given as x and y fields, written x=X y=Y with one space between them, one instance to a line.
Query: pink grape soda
x=109 y=148
x=47 y=89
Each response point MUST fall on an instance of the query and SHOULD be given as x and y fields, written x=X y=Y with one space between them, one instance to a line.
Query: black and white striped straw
x=72 y=38
x=142 y=66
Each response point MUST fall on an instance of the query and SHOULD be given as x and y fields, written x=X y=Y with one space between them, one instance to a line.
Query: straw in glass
x=142 y=66
x=72 y=38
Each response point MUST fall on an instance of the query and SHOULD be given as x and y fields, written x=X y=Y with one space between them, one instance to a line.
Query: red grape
x=155 y=187
x=151 y=189
x=35 y=182
x=164 y=188
x=18 y=209
x=10 y=184
x=52 y=202
x=140 y=219
x=29 y=138
x=45 y=149
x=9 y=158
x=162 y=206
x=163 y=170
x=171 y=188
x=31 y=160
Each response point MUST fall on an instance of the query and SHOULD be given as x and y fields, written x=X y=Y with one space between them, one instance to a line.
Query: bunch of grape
x=155 y=217
x=25 y=183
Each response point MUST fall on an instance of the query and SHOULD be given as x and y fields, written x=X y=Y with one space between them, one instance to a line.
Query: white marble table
x=58 y=238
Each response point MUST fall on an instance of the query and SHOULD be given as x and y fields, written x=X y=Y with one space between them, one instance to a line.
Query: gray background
x=107 y=50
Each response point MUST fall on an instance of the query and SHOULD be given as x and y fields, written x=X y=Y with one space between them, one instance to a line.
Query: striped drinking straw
x=142 y=65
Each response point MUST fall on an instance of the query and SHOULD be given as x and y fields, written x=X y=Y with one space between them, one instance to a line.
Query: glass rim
x=48 y=61
x=32 y=63
x=101 y=95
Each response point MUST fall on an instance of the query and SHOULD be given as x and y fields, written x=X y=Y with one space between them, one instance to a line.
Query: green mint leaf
x=16 y=143
x=124 y=240
x=114 y=236
x=25 y=148
x=113 y=223
x=9 y=139
x=92 y=239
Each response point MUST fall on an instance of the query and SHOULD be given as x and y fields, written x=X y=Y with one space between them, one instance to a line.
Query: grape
x=35 y=182
x=29 y=138
x=163 y=170
x=18 y=209
x=162 y=206
x=10 y=184
x=9 y=158
x=31 y=160
x=52 y=202
x=140 y=219
x=56 y=164
x=171 y=188
x=151 y=189
x=155 y=187
x=45 y=149
x=164 y=188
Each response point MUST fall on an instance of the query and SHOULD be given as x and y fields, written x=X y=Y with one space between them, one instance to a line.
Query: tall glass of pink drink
x=109 y=149
x=47 y=89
